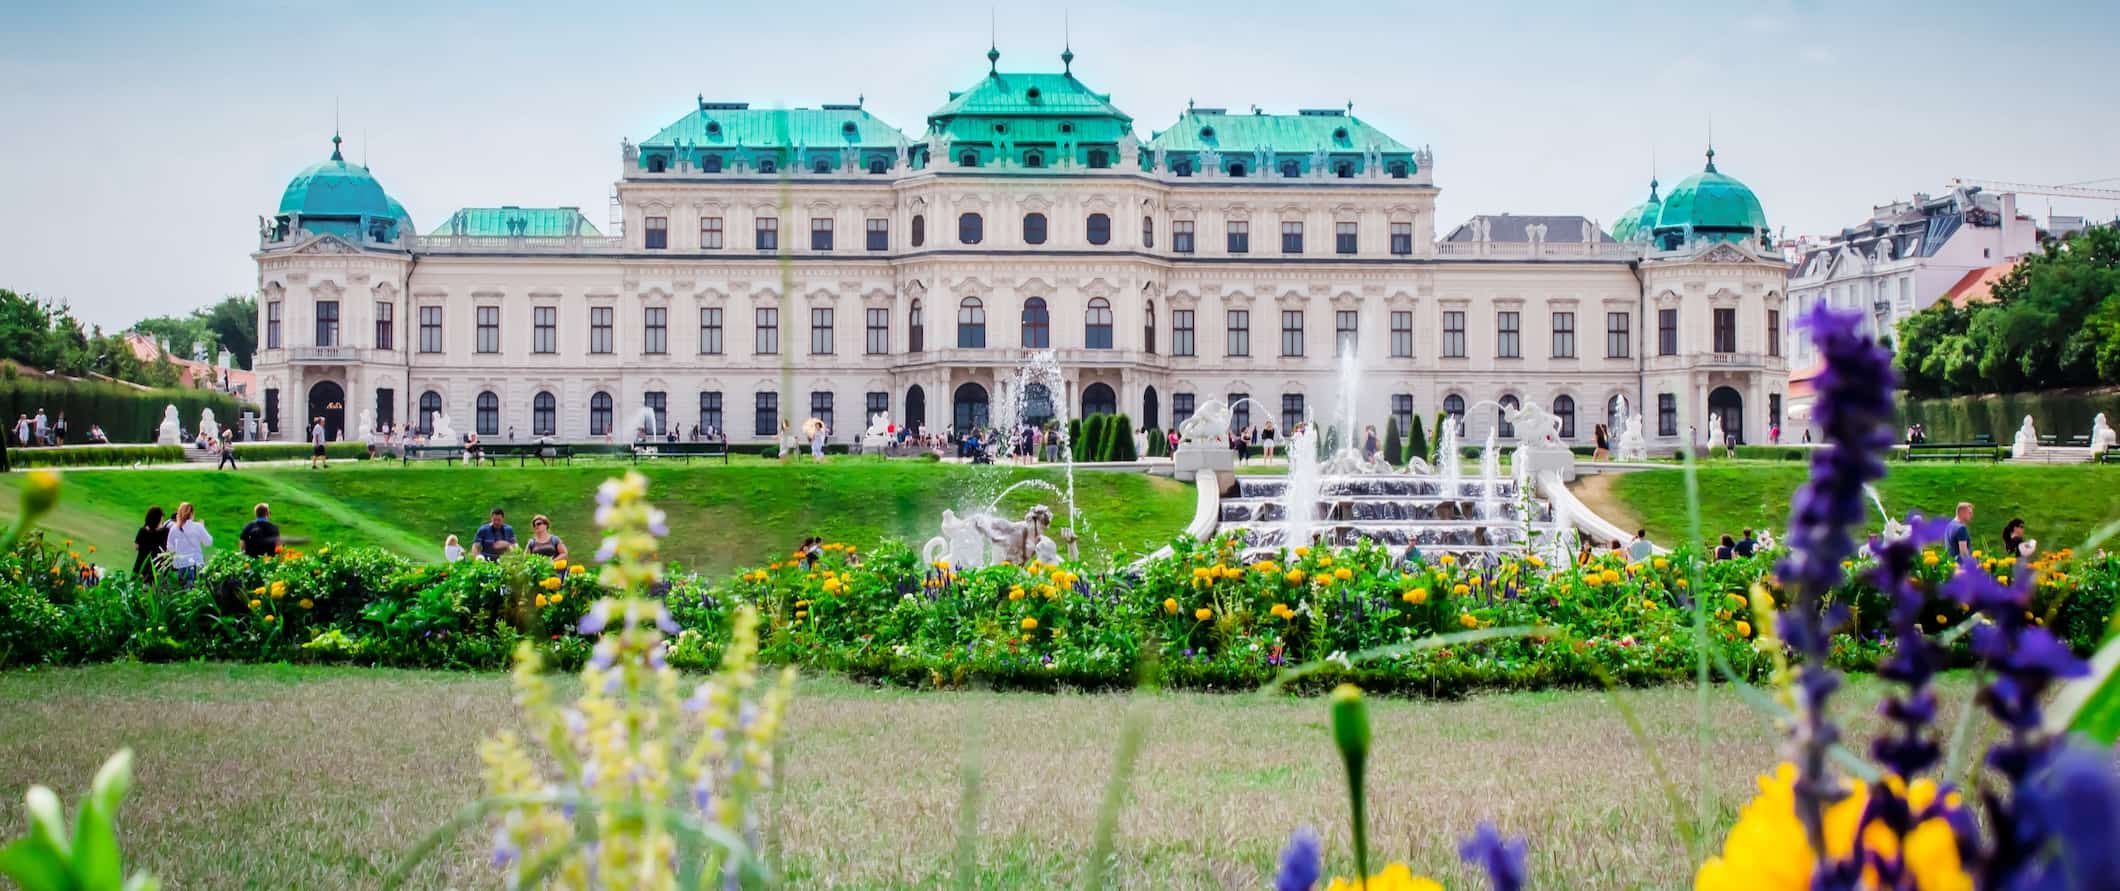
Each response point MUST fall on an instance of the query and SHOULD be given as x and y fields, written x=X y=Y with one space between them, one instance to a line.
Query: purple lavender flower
x=664 y=622
x=1915 y=659
x=1301 y=862
x=596 y=618
x=1501 y=858
x=2076 y=797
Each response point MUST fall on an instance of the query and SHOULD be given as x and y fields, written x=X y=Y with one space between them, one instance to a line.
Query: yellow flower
x=279 y=590
x=1648 y=604
x=1929 y=558
x=1942 y=619
x=1203 y=614
x=557 y=597
x=1737 y=601
x=1767 y=850
x=306 y=603
x=1395 y=877
x=1593 y=579
x=259 y=590
x=1170 y=605
x=1325 y=560
x=558 y=565
x=268 y=617
x=1015 y=592
x=1661 y=563
x=254 y=603
x=578 y=569
x=1611 y=575
x=549 y=583
x=1468 y=621
x=540 y=601
x=1681 y=583
x=1029 y=624
x=1416 y=596
x=1281 y=611
x=1294 y=576
x=1302 y=551
x=1343 y=573
x=1460 y=590
x=1744 y=628
x=1447 y=559
x=833 y=586
x=1535 y=560
x=323 y=550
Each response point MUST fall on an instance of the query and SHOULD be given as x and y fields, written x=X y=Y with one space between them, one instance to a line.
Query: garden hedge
x=95 y=456
x=127 y=414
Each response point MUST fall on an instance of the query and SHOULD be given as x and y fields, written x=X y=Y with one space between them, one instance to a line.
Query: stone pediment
x=325 y=244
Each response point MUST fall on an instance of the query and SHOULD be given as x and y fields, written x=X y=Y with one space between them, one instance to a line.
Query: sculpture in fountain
x=368 y=426
x=1019 y=541
x=2027 y=441
x=207 y=424
x=960 y=543
x=878 y=436
x=444 y=433
x=983 y=538
x=1542 y=449
x=2102 y=437
x=170 y=432
x=1632 y=446
x=1202 y=442
x=1716 y=437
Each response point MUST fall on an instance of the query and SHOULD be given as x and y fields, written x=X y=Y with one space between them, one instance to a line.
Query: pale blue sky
x=141 y=141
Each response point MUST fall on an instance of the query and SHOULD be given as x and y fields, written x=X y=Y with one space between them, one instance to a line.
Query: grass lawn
x=720 y=516
x=2061 y=504
x=289 y=777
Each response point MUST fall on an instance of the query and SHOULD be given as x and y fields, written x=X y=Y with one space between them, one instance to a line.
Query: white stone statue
x=1715 y=431
x=368 y=426
x=444 y=432
x=2027 y=440
x=878 y=436
x=1536 y=427
x=960 y=543
x=1018 y=541
x=1350 y=462
x=1209 y=424
x=171 y=432
x=207 y=425
x=2102 y=437
x=1632 y=447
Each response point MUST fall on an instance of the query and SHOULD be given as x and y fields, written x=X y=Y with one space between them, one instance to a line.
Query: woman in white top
x=188 y=541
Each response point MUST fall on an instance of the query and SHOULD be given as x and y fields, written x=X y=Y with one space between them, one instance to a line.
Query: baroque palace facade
x=816 y=262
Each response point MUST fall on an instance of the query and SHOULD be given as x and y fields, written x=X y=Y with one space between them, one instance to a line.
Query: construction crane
x=2061 y=191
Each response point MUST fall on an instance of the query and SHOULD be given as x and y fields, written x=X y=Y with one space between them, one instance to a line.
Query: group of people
x=1741 y=547
x=177 y=543
x=1917 y=433
x=43 y=430
x=496 y=539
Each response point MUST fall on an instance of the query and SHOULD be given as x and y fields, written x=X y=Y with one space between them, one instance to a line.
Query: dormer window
x=968 y=159
x=1236 y=168
x=1181 y=168
x=1397 y=169
x=1207 y=132
x=1033 y=159
x=713 y=128
x=877 y=165
x=710 y=163
x=656 y=164
x=848 y=128
x=821 y=165
x=1291 y=169
x=768 y=165
x=1339 y=135
x=1343 y=169
x=1099 y=159
x=1001 y=128
x=1066 y=127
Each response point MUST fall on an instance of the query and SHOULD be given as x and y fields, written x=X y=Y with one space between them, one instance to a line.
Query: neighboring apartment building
x=778 y=265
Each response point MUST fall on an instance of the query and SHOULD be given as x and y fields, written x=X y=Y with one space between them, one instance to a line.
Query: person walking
x=542 y=542
x=149 y=543
x=1603 y=438
x=1266 y=440
x=316 y=445
x=818 y=430
x=1369 y=443
x=2014 y=541
x=44 y=429
x=260 y=538
x=228 y=451
x=495 y=538
x=188 y=541
x=59 y=429
x=22 y=429
x=1958 y=536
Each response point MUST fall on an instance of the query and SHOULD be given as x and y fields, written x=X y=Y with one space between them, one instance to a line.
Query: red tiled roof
x=1976 y=284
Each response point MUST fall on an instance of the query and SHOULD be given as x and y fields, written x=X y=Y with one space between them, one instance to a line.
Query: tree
x=1123 y=440
x=2052 y=323
x=234 y=321
x=1417 y=443
x=1394 y=453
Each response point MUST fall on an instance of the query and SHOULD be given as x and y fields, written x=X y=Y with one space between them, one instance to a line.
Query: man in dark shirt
x=1747 y=544
x=495 y=538
x=1958 y=537
x=261 y=538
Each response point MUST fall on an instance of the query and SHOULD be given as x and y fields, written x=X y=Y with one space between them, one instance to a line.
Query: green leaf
x=47 y=820
x=2090 y=705
x=96 y=866
x=34 y=865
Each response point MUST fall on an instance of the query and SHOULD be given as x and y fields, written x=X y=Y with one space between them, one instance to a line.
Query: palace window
x=1667 y=332
x=1033 y=159
x=821 y=407
x=1343 y=237
x=1181 y=406
x=710 y=234
x=657 y=403
x=656 y=234
x=879 y=331
x=1774 y=330
x=710 y=164
x=1148 y=231
x=1100 y=229
x=765 y=234
x=971 y=324
x=1239 y=323
x=915 y=328
x=1148 y=328
x=600 y=329
x=765 y=331
x=386 y=406
x=1564 y=409
x=968 y=158
x=710 y=331
x=1343 y=169
x=820 y=331
x=327 y=323
x=1099 y=159
x=430 y=405
x=970 y=228
x=821 y=165
x=1402 y=412
x=489 y=329
x=655 y=330
x=1239 y=236
x=1181 y=332
x=489 y=414
x=874 y=404
x=1666 y=414
x=1508 y=343
x=1181 y=236
x=1619 y=335
x=768 y=165
x=1503 y=407
x=385 y=325
x=544 y=329
x=1034 y=228
x=878 y=166
x=1291 y=236
x=1291 y=410
x=1037 y=324
x=1345 y=325
x=1725 y=330
x=1397 y=169
x=1291 y=332
x=1454 y=410
x=1564 y=335
x=430 y=329
x=1454 y=334
x=272 y=325
x=709 y=413
x=657 y=164
x=1239 y=411
x=1401 y=333
x=820 y=234
x=1401 y=239
x=1098 y=333
x=919 y=230
x=879 y=232
x=544 y=414
x=600 y=414
x=1181 y=168
x=765 y=414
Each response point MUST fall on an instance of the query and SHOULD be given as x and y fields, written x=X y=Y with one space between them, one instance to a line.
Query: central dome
x=336 y=188
x=1635 y=224
x=1709 y=204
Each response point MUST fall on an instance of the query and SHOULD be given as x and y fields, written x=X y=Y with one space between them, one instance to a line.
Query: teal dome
x=1635 y=224
x=1709 y=205
x=336 y=196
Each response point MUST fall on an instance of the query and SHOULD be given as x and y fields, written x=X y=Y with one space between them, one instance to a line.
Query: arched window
x=915 y=407
x=1291 y=169
x=968 y=158
x=1148 y=231
x=1037 y=325
x=768 y=165
x=544 y=414
x=821 y=165
x=1151 y=410
x=970 y=228
x=1397 y=169
x=1098 y=399
x=1236 y=168
x=710 y=163
x=1343 y=169
x=1148 y=329
x=1098 y=333
x=919 y=230
x=600 y=414
x=1181 y=168
x=1100 y=229
x=489 y=414
x=969 y=408
x=971 y=324
x=1564 y=409
x=916 y=326
x=1454 y=406
x=1502 y=427
x=1034 y=228
x=1099 y=159
x=430 y=405
x=1037 y=404
x=1033 y=159
x=656 y=164
x=878 y=165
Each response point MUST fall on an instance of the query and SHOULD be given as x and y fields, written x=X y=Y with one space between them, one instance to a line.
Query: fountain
x=1203 y=442
x=644 y=424
x=2102 y=438
x=878 y=437
x=1716 y=437
x=207 y=425
x=1041 y=369
x=1490 y=474
x=1632 y=447
x=1446 y=456
x=444 y=433
x=2027 y=441
x=985 y=538
x=1300 y=497
x=170 y=432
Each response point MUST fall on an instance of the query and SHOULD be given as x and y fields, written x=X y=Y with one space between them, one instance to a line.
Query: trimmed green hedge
x=291 y=451
x=127 y=414
x=96 y=456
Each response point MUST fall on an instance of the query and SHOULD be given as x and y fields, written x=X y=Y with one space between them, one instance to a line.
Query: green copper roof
x=1710 y=204
x=735 y=123
x=1332 y=130
x=526 y=222
x=335 y=188
x=1634 y=225
x=1008 y=94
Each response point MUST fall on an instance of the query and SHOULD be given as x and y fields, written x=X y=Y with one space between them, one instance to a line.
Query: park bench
x=1953 y=451
x=544 y=452
x=685 y=450
x=425 y=452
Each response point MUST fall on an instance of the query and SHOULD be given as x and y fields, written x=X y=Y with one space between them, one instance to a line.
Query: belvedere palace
x=819 y=262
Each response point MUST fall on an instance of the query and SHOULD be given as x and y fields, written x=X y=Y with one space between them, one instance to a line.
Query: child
x=451 y=551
